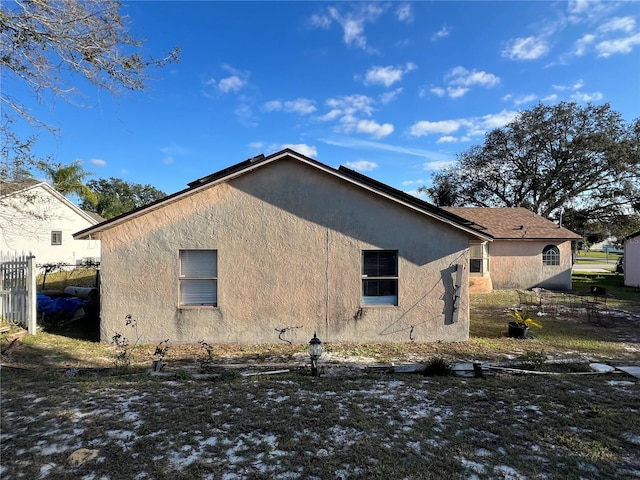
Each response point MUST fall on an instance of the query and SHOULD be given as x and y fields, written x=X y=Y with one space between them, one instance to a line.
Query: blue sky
x=394 y=90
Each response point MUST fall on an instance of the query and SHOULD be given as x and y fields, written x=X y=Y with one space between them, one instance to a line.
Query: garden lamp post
x=315 y=350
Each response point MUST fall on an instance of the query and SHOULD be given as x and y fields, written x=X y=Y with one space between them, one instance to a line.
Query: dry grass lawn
x=349 y=423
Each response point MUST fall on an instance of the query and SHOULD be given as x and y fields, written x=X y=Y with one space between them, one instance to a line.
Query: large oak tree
x=583 y=158
x=116 y=196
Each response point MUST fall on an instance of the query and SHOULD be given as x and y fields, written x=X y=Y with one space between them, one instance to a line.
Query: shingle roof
x=514 y=223
x=260 y=160
x=7 y=188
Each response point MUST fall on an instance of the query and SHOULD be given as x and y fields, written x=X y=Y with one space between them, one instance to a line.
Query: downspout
x=326 y=276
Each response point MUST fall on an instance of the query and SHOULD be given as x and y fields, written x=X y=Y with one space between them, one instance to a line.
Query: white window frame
x=56 y=237
x=198 y=278
x=479 y=253
x=551 y=256
x=367 y=278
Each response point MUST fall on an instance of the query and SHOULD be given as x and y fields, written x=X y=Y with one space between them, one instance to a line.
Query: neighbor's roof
x=259 y=161
x=514 y=223
x=8 y=189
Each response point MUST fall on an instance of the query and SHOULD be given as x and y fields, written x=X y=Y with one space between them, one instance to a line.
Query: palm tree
x=69 y=179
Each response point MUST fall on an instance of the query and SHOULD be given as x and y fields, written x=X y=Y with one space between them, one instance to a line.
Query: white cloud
x=527 y=48
x=620 y=45
x=520 y=99
x=361 y=165
x=604 y=42
x=459 y=80
x=360 y=144
x=353 y=22
x=550 y=98
x=442 y=33
x=495 y=120
x=623 y=24
x=272 y=106
x=320 y=21
x=404 y=13
x=302 y=106
x=587 y=97
x=348 y=106
x=389 y=97
x=438 y=165
x=582 y=45
x=464 y=77
x=353 y=19
x=406 y=183
x=589 y=10
x=303 y=148
x=167 y=160
x=456 y=92
x=231 y=84
x=374 y=129
x=256 y=145
x=387 y=76
x=471 y=127
x=575 y=86
x=425 y=127
x=98 y=162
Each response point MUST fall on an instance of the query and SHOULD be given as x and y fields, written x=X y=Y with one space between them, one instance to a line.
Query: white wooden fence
x=18 y=290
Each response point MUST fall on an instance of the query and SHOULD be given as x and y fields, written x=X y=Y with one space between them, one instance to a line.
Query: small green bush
x=438 y=367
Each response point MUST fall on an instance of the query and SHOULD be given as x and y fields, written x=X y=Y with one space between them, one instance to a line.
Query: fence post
x=31 y=296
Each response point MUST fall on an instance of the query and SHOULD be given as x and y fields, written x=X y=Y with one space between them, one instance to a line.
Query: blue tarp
x=66 y=306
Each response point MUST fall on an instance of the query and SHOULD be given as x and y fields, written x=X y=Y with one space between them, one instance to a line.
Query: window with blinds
x=380 y=277
x=478 y=258
x=198 y=278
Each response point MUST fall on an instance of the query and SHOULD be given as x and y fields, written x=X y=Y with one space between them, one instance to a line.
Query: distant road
x=593 y=267
x=596 y=264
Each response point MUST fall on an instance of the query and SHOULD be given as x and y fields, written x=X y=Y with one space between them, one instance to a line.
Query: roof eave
x=253 y=163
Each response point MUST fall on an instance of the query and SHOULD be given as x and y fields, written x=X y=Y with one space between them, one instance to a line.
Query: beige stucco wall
x=289 y=239
x=518 y=264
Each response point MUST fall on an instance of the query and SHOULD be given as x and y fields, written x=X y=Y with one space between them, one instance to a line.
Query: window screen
x=380 y=277
x=199 y=278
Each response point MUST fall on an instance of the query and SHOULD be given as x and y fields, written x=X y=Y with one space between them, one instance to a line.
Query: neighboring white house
x=632 y=260
x=36 y=219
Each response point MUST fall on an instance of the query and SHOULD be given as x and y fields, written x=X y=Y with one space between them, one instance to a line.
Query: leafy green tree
x=550 y=157
x=116 y=196
x=69 y=180
x=596 y=230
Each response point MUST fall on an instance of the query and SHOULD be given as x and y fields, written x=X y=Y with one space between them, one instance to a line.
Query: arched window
x=550 y=255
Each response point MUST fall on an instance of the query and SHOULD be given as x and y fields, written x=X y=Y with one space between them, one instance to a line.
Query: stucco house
x=632 y=260
x=37 y=219
x=527 y=250
x=276 y=248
